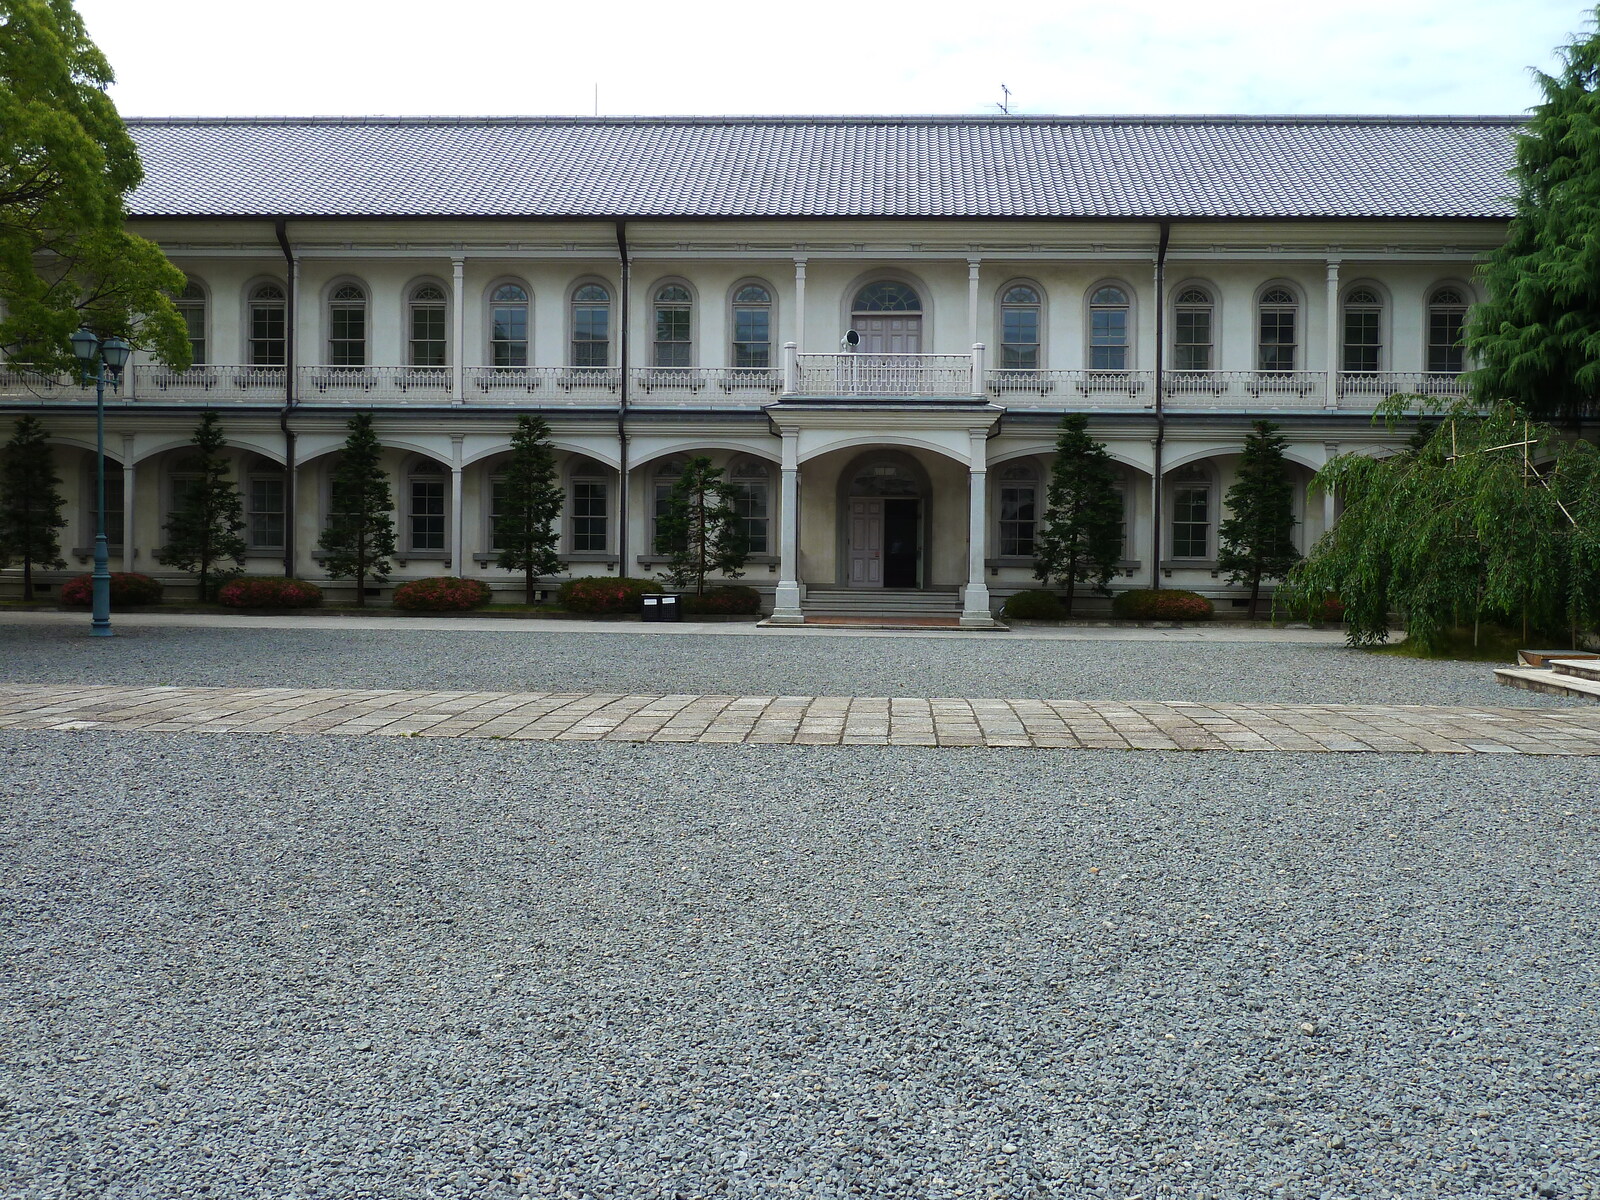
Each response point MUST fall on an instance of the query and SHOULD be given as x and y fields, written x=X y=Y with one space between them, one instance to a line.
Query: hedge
x=732 y=600
x=269 y=593
x=127 y=589
x=447 y=593
x=1167 y=604
x=606 y=595
x=1034 y=606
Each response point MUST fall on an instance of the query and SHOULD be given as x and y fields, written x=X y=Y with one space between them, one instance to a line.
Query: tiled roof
x=1026 y=167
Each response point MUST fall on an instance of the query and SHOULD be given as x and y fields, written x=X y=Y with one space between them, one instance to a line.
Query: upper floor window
x=1192 y=337
x=1018 y=508
x=589 y=506
x=426 y=343
x=753 y=503
x=1277 y=330
x=1447 y=316
x=268 y=326
x=752 y=326
x=508 y=328
x=427 y=486
x=347 y=326
x=1363 y=330
x=591 y=326
x=1019 y=328
x=887 y=296
x=1108 y=329
x=192 y=308
x=672 y=345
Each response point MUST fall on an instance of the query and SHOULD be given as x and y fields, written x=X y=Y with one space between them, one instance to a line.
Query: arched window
x=672 y=344
x=1108 y=329
x=1191 y=488
x=427 y=489
x=590 y=507
x=1018 y=508
x=1278 y=324
x=887 y=296
x=192 y=308
x=753 y=478
x=752 y=326
x=268 y=325
x=1019 y=328
x=1363 y=330
x=426 y=341
x=665 y=479
x=347 y=326
x=264 y=511
x=508 y=326
x=1192 y=336
x=591 y=326
x=1447 y=315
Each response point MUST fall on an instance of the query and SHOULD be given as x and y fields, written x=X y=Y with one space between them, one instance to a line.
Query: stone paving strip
x=808 y=720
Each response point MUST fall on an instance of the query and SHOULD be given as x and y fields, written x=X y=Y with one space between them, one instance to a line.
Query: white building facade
x=661 y=289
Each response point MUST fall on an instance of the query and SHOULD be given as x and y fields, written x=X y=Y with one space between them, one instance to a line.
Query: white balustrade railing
x=209 y=382
x=341 y=382
x=883 y=375
x=546 y=385
x=1245 y=389
x=1375 y=386
x=18 y=381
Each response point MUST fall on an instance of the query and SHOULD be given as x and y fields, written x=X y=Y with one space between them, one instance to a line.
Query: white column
x=978 y=388
x=1331 y=397
x=972 y=300
x=458 y=548
x=975 y=597
x=786 y=604
x=800 y=302
x=458 y=339
x=128 y=472
x=791 y=368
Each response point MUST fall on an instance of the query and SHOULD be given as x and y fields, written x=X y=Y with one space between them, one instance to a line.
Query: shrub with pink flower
x=127 y=589
x=269 y=593
x=447 y=593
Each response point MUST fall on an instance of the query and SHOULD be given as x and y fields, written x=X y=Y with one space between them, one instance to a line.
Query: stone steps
x=880 y=602
x=1553 y=681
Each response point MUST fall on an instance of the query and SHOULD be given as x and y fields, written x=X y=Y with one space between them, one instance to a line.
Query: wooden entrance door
x=866 y=543
x=890 y=333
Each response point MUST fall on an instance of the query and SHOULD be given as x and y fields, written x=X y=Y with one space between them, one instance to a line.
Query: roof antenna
x=1005 y=102
x=597 y=99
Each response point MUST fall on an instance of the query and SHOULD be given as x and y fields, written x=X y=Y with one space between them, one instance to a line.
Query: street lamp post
x=106 y=359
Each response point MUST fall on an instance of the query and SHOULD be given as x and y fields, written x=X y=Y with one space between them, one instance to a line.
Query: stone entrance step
x=1576 y=678
x=880 y=602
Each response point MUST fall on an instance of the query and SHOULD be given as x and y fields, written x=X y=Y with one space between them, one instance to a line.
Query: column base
x=975 y=612
x=786 y=604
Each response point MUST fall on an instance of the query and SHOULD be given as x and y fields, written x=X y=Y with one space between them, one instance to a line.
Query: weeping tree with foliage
x=359 y=539
x=1256 y=541
x=528 y=501
x=1537 y=339
x=700 y=530
x=1080 y=534
x=1491 y=516
x=205 y=528
x=67 y=165
x=30 y=503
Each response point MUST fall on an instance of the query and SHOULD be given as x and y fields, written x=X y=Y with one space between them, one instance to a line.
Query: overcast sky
x=296 y=57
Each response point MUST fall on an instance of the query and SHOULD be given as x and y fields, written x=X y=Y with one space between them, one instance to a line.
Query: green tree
x=528 y=503
x=1256 y=541
x=359 y=539
x=67 y=164
x=1537 y=338
x=700 y=530
x=1080 y=535
x=205 y=528
x=1491 y=516
x=30 y=503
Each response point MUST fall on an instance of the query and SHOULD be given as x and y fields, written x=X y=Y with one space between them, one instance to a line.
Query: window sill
x=489 y=558
x=399 y=556
x=1168 y=566
x=1126 y=566
x=770 y=561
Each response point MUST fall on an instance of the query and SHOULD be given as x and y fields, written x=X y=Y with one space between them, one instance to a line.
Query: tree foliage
x=1488 y=516
x=67 y=164
x=359 y=539
x=30 y=503
x=1538 y=336
x=1256 y=541
x=205 y=527
x=700 y=530
x=529 y=502
x=1080 y=534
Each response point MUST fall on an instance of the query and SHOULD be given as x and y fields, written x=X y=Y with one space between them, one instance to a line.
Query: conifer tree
x=1080 y=535
x=1256 y=541
x=1535 y=338
x=30 y=503
x=206 y=526
x=700 y=530
x=530 y=500
x=359 y=539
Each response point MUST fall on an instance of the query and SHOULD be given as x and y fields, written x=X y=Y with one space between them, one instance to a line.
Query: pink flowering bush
x=269 y=593
x=1167 y=604
x=127 y=589
x=606 y=595
x=447 y=593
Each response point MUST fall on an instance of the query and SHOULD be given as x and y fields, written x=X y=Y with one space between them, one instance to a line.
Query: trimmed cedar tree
x=1537 y=338
x=206 y=529
x=1080 y=536
x=67 y=165
x=30 y=503
x=700 y=530
x=359 y=539
x=1256 y=540
x=528 y=503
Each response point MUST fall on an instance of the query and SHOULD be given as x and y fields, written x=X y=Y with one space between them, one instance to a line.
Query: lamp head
x=115 y=351
x=86 y=346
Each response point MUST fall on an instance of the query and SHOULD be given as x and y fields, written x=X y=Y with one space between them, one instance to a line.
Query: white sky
x=537 y=57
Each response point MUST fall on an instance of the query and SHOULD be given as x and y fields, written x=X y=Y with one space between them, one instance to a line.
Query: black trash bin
x=661 y=607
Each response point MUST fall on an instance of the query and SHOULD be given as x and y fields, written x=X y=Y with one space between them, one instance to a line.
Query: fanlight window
x=1447 y=317
x=268 y=326
x=427 y=341
x=887 y=297
x=1191 y=512
x=508 y=329
x=1019 y=509
x=589 y=500
x=1019 y=329
x=672 y=345
x=591 y=326
x=1108 y=330
x=192 y=308
x=1191 y=331
x=428 y=484
x=347 y=327
x=1277 y=340
x=1363 y=332
x=752 y=327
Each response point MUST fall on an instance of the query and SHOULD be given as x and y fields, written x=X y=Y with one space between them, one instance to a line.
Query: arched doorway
x=888 y=316
x=885 y=507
